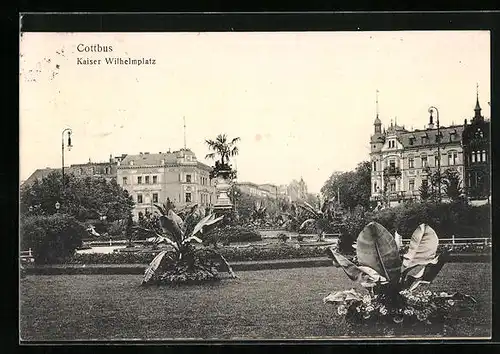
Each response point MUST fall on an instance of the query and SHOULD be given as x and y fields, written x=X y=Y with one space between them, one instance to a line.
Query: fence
x=462 y=240
x=27 y=255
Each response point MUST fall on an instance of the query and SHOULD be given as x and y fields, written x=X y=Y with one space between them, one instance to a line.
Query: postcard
x=255 y=185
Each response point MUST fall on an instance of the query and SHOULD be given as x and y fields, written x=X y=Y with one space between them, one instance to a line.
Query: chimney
x=465 y=122
x=146 y=153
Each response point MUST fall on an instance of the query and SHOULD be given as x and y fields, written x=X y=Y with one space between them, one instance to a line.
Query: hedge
x=447 y=219
x=232 y=233
x=52 y=238
x=231 y=254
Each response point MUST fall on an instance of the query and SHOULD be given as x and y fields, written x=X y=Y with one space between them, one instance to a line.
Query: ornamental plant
x=187 y=263
x=392 y=281
x=319 y=218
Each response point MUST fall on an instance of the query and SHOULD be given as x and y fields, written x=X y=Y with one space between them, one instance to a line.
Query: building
x=476 y=146
x=89 y=169
x=178 y=175
x=266 y=190
x=106 y=170
x=402 y=160
x=297 y=190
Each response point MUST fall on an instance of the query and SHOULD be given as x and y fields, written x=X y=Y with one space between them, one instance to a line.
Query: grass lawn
x=269 y=304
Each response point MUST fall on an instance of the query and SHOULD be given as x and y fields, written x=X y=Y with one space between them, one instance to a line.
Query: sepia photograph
x=209 y=186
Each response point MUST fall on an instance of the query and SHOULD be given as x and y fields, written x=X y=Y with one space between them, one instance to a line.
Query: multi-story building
x=264 y=190
x=476 y=144
x=403 y=160
x=256 y=190
x=178 y=176
x=89 y=169
x=297 y=190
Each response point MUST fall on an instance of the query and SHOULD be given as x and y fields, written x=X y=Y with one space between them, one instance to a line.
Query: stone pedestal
x=223 y=204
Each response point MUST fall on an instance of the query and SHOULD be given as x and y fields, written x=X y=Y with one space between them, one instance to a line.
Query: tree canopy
x=354 y=187
x=84 y=198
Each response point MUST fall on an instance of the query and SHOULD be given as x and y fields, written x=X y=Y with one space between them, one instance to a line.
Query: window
x=484 y=155
x=374 y=166
x=188 y=197
x=188 y=178
x=412 y=140
x=139 y=180
x=473 y=156
x=155 y=179
x=124 y=180
x=411 y=185
x=424 y=183
x=155 y=197
x=424 y=161
x=393 y=186
x=436 y=160
x=392 y=164
x=375 y=186
x=452 y=158
x=411 y=162
x=147 y=179
x=139 y=198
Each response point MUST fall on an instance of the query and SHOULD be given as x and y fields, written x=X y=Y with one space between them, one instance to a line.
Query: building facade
x=477 y=167
x=106 y=170
x=297 y=190
x=178 y=176
x=402 y=161
x=266 y=190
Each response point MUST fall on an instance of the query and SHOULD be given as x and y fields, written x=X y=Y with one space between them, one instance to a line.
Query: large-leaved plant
x=185 y=262
x=391 y=279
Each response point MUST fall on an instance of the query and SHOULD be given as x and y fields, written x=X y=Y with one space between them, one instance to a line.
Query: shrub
x=448 y=219
x=232 y=233
x=116 y=228
x=52 y=238
x=282 y=237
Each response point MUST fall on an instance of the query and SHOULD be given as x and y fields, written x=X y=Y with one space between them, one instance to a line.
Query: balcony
x=392 y=171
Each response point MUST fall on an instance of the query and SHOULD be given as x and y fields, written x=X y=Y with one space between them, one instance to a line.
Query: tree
x=84 y=198
x=225 y=149
x=354 y=186
x=450 y=183
x=425 y=191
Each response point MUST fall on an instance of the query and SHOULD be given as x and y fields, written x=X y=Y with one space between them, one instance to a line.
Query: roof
x=445 y=132
x=39 y=174
x=164 y=158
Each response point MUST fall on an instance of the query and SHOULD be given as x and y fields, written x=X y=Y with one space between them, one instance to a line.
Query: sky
x=303 y=103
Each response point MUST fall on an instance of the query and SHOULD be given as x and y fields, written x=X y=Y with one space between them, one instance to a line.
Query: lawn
x=269 y=304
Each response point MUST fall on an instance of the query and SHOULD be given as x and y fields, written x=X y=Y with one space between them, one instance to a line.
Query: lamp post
x=62 y=155
x=438 y=140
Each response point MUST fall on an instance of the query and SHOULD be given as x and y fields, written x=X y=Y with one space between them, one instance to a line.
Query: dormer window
x=412 y=140
x=131 y=163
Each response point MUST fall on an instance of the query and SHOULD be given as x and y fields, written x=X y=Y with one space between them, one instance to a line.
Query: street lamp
x=58 y=205
x=62 y=150
x=438 y=140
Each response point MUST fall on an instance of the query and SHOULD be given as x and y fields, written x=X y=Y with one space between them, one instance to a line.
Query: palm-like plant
x=259 y=212
x=391 y=279
x=320 y=218
x=224 y=148
x=186 y=263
